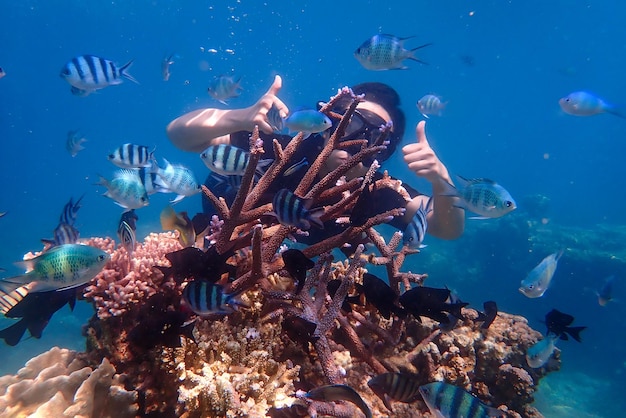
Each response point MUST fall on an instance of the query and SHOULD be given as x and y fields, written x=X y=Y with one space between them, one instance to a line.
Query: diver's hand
x=257 y=113
x=422 y=160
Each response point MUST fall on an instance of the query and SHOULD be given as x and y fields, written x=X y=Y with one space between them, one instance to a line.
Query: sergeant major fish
x=430 y=105
x=225 y=159
x=88 y=73
x=414 y=233
x=537 y=281
x=224 y=87
x=401 y=387
x=177 y=179
x=292 y=210
x=582 y=103
x=63 y=267
x=206 y=298
x=132 y=156
x=482 y=196
x=448 y=401
x=126 y=189
x=74 y=143
x=386 y=52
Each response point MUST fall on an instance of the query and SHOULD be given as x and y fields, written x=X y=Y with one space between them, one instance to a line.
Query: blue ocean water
x=501 y=65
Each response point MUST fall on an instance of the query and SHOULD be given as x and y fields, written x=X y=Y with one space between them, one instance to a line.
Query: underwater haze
x=500 y=66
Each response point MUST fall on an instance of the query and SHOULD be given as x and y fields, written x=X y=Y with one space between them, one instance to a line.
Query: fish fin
x=177 y=199
x=559 y=255
x=479 y=217
x=575 y=332
x=13 y=334
x=315 y=215
x=425 y=115
x=126 y=75
x=421 y=46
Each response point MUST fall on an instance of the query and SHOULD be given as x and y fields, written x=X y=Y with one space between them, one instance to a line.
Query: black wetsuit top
x=310 y=148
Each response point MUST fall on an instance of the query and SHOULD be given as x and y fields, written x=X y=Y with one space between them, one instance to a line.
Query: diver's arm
x=196 y=130
x=445 y=221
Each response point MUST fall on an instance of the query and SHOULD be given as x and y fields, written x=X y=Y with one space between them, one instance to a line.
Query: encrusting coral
x=59 y=383
x=293 y=334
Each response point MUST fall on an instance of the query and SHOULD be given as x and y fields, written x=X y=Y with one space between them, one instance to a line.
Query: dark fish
x=88 y=73
x=206 y=298
x=35 y=311
x=374 y=202
x=401 y=387
x=379 y=294
x=132 y=156
x=300 y=330
x=431 y=302
x=74 y=143
x=194 y=263
x=453 y=321
x=446 y=400
x=297 y=264
x=487 y=317
x=558 y=324
x=332 y=287
x=70 y=211
x=331 y=393
x=131 y=218
x=292 y=210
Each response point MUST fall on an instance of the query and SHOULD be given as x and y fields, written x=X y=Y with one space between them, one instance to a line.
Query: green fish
x=448 y=401
x=63 y=267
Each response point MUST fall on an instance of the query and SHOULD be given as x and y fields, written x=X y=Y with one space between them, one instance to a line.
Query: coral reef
x=59 y=383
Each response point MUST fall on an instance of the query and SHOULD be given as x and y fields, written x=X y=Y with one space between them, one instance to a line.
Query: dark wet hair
x=388 y=98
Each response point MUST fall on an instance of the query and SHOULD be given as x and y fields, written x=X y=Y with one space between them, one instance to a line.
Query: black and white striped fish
x=292 y=210
x=132 y=156
x=448 y=401
x=225 y=159
x=127 y=236
x=401 y=387
x=482 y=196
x=88 y=73
x=207 y=298
x=415 y=231
x=176 y=178
x=151 y=181
x=70 y=211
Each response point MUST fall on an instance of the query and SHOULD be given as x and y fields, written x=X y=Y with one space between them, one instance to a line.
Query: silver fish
x=225 y=159
x=88 y=73
x=582 y=103
x=538 y=280
x=430 y=105
x=539 y=353
x=132 y=156
x=224 y=87
x=74 y=143
x=386 y=52
x=177 y=179
x=482 y=196
x=165 y=67
x=126 y=189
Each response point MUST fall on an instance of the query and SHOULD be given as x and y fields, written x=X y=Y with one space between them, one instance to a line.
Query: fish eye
x=65 y=71
x=144 y=199
x=508 y=203
x=100 y=257
x=531 y=286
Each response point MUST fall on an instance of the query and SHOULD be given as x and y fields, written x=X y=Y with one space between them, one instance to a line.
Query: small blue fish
x=206 y=298
x=539 y=353
x=386 y=52
x=224 y=87
x=482 y=196
x=605 y=294
x=74 y=143
x=225 y=159
x=448 y=401
x=538 y=280
x=177 y=179
x=126 y=189
x=582 y=103
x=414 y=233
x=292 y=210
x=430 y=105
x=307 y=121
x=88 y=73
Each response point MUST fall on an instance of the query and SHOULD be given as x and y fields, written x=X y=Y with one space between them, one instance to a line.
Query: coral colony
x=293 y=346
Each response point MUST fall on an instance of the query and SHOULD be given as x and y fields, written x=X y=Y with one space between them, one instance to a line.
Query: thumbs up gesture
x=421 y=158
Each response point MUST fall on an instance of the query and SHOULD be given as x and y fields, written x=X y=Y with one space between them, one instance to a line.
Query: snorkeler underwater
x=241 y=209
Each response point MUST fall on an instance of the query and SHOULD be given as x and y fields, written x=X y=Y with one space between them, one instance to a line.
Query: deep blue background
x=502 y=121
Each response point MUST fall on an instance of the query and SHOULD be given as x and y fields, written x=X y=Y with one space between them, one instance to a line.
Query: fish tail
x=315 y=217
x=13 y=334
x=575 y=332
x=125 y=74
x=414 y=58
